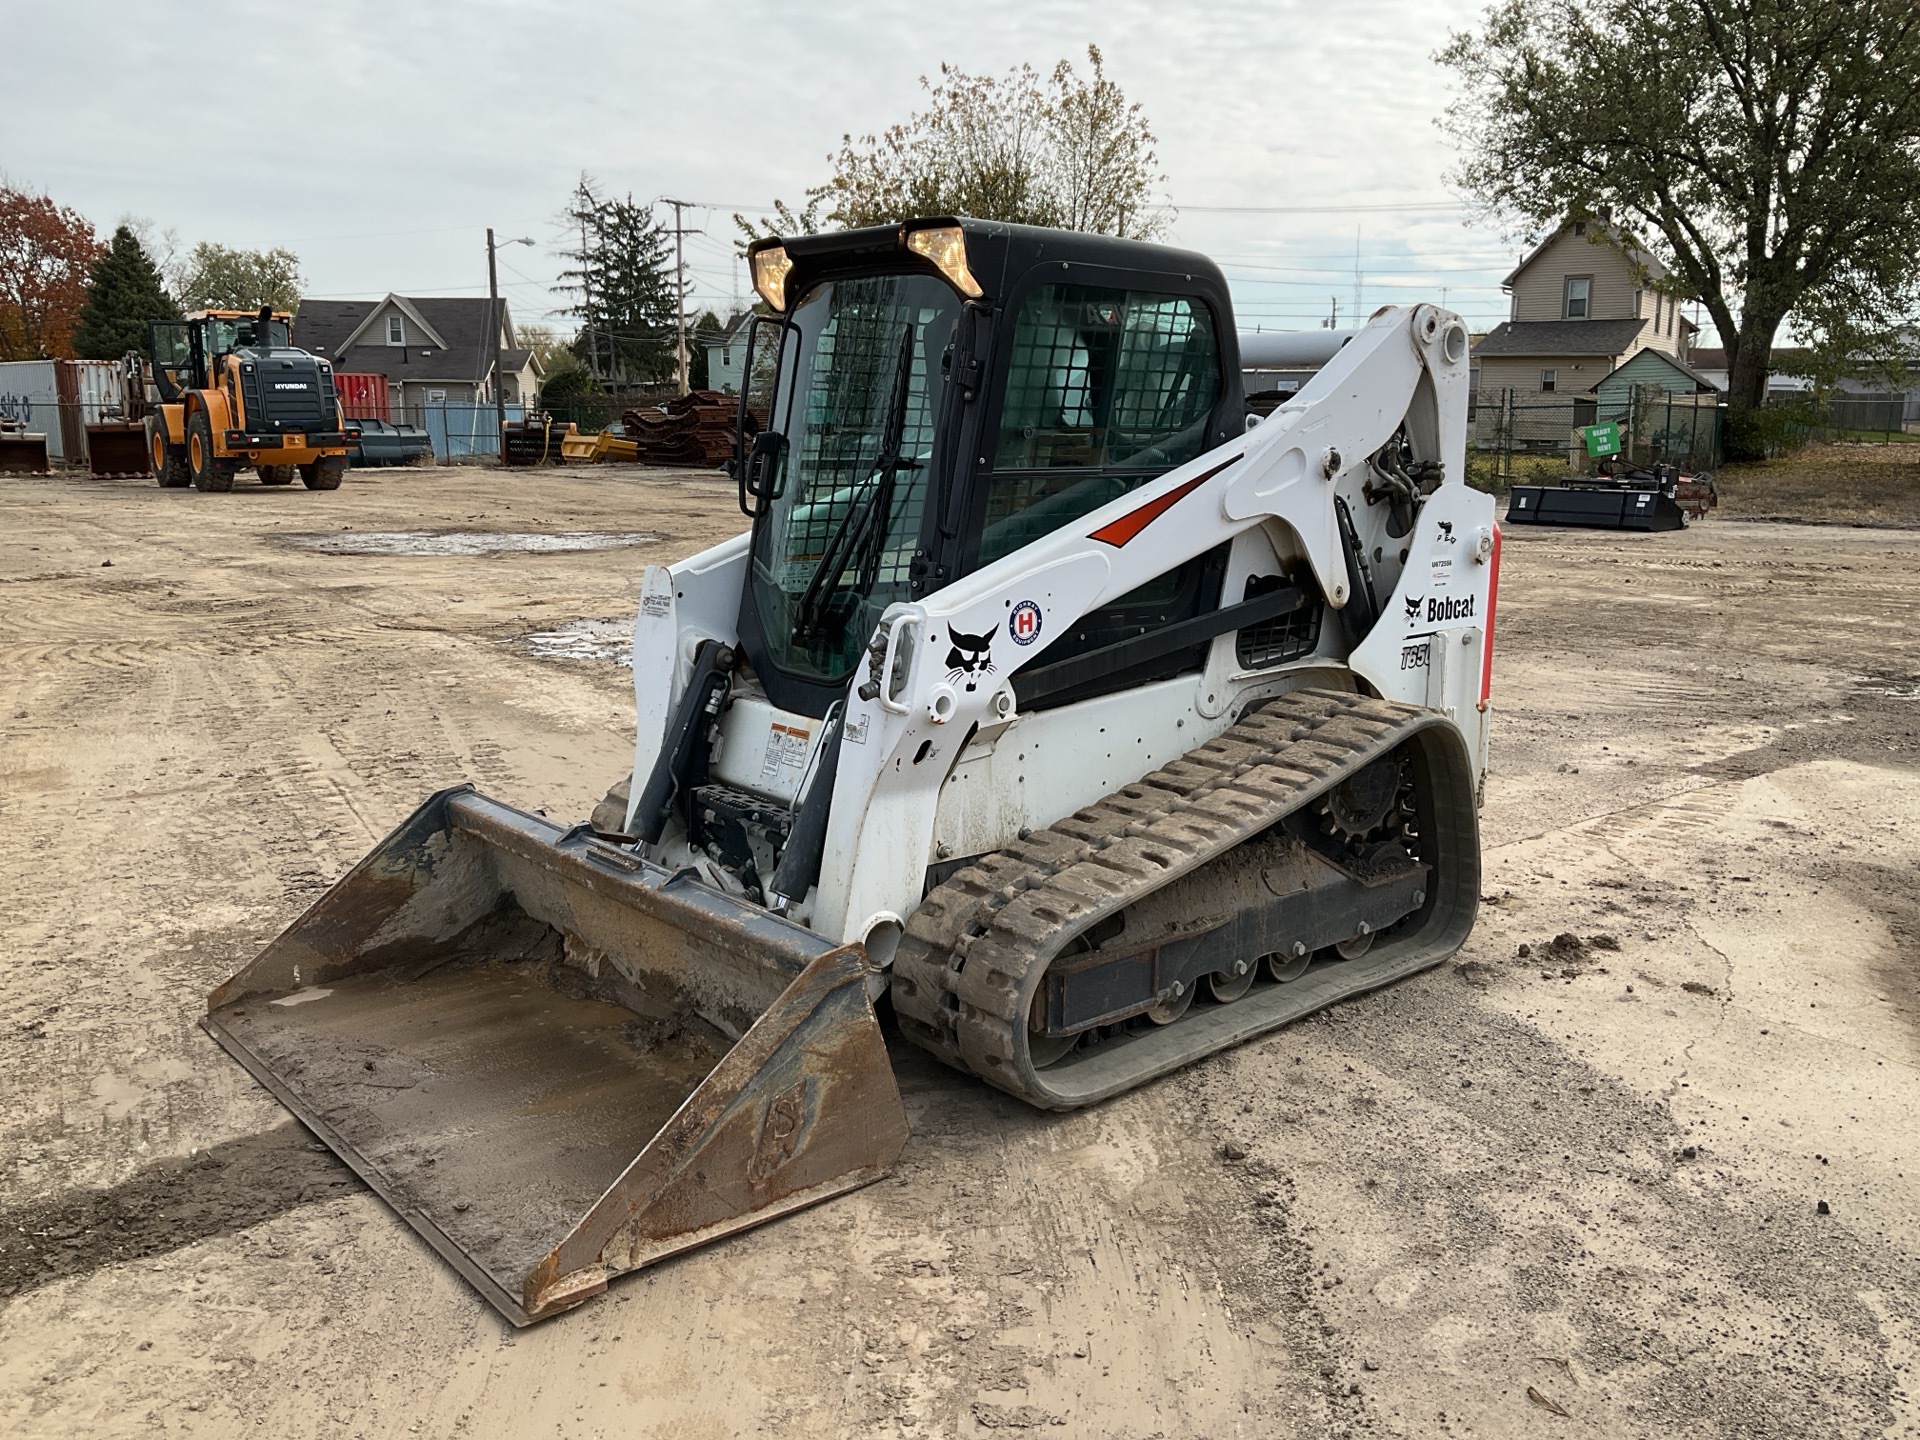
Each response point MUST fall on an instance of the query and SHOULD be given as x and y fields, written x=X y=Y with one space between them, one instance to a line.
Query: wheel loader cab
x=186 y=354
x=940 y=394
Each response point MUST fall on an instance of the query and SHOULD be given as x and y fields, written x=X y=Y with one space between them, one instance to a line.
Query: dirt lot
x=1573 y=1192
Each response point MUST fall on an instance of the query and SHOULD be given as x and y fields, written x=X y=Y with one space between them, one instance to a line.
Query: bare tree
x=1062 y=151
x=1103 y=155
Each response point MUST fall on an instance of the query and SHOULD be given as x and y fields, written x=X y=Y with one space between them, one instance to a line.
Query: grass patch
x=1877 y=483
x=1484 y=471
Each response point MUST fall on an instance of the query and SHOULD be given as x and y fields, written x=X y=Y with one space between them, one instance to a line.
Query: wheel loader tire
x=210 y=472
x=169 y=464
x=276 y=474
x=324 y=474
x=610 y=815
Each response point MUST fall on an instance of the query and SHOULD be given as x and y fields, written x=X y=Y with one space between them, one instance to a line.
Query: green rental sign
x=1602 y=439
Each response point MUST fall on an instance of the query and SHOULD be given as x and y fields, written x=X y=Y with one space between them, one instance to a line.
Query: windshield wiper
x=862 y=531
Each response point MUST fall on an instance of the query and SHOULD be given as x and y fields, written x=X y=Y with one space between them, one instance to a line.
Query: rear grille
x=273 y=404
x=1292 y=636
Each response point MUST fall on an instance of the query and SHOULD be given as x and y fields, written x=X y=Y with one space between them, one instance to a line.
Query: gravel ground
x=1633 y=1165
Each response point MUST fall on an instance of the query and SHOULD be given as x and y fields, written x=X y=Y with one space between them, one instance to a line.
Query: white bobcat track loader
x=1047 y=696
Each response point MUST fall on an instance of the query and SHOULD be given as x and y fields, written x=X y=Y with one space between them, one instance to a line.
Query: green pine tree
x=124 y=292
x=622 y=276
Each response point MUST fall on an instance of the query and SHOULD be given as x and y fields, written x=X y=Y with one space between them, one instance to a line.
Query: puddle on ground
x=468 y=542
x=585 y=640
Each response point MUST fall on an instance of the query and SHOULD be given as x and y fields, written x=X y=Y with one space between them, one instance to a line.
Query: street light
x=493 y=316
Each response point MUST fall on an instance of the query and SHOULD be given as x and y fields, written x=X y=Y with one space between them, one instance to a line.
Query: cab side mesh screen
x=1106 y=389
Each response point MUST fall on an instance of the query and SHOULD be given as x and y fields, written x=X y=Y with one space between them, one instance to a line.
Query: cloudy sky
x=378 y=140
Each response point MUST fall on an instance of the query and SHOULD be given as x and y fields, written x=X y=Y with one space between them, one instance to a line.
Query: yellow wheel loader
x=230 y=390
x=1081 y=721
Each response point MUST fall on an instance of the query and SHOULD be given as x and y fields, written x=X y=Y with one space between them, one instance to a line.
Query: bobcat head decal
x=1413 y=606
x=970 y=656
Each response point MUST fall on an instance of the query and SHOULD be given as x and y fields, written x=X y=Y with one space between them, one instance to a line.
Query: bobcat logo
x=1413 y=606
x=783 y=1131
x=970 y=656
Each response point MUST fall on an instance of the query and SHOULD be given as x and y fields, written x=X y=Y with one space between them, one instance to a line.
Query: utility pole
x=586 y=301
x=1356 y=274
x=680 y=288
x=493 y=320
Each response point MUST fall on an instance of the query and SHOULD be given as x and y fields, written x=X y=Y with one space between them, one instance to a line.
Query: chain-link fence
x=1518 y=432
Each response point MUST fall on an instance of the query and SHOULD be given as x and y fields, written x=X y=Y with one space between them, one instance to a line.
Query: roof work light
x=770 y=268
x=946 y=247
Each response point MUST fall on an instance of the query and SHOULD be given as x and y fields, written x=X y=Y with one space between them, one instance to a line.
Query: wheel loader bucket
x=117 y=448
x=558 y=1061
x=23 y=453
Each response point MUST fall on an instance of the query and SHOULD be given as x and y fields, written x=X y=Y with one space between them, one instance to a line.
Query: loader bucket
x=558 y=1061
x=23 y=453
x=1597 y=508
x=115 y=449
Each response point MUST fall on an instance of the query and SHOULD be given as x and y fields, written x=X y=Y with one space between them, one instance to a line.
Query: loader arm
x=1407 y=366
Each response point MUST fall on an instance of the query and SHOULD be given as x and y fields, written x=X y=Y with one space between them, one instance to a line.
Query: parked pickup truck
x=384 y=443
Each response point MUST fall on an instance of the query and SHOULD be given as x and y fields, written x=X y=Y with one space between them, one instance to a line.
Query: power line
x=391 y=234
x=1395 y=208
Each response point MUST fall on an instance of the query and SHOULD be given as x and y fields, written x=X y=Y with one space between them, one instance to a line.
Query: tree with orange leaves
x=46 y=251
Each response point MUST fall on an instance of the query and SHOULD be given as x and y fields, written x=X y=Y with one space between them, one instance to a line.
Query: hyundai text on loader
x=1047 y=699
x=230 y=390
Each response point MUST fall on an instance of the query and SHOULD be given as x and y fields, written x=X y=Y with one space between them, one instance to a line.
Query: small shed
x=1666 y=411
x=1649 y=369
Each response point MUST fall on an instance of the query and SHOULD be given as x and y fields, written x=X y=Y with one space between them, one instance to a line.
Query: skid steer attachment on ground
x=558 y=1061
x=1594 y=507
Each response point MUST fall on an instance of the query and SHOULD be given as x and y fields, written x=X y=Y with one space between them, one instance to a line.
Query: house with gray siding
x=433 y=350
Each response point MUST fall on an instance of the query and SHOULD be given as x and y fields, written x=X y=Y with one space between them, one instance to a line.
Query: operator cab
x=184 y=351
x=928 y=397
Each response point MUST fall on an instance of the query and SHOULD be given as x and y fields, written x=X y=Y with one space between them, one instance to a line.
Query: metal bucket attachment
x=558 y=1061
x=23 y=452
x=117 y=448
x=1593 y=508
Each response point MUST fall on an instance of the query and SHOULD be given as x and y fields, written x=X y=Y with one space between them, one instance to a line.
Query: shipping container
x=362 y=396
x=60 y=398
x=90 y=391
x=30 y=394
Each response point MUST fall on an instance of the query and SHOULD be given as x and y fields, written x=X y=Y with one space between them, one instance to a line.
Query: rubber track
x=960 y=974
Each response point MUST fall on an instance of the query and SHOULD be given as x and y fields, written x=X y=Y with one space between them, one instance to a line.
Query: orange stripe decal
x=1127 y=526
